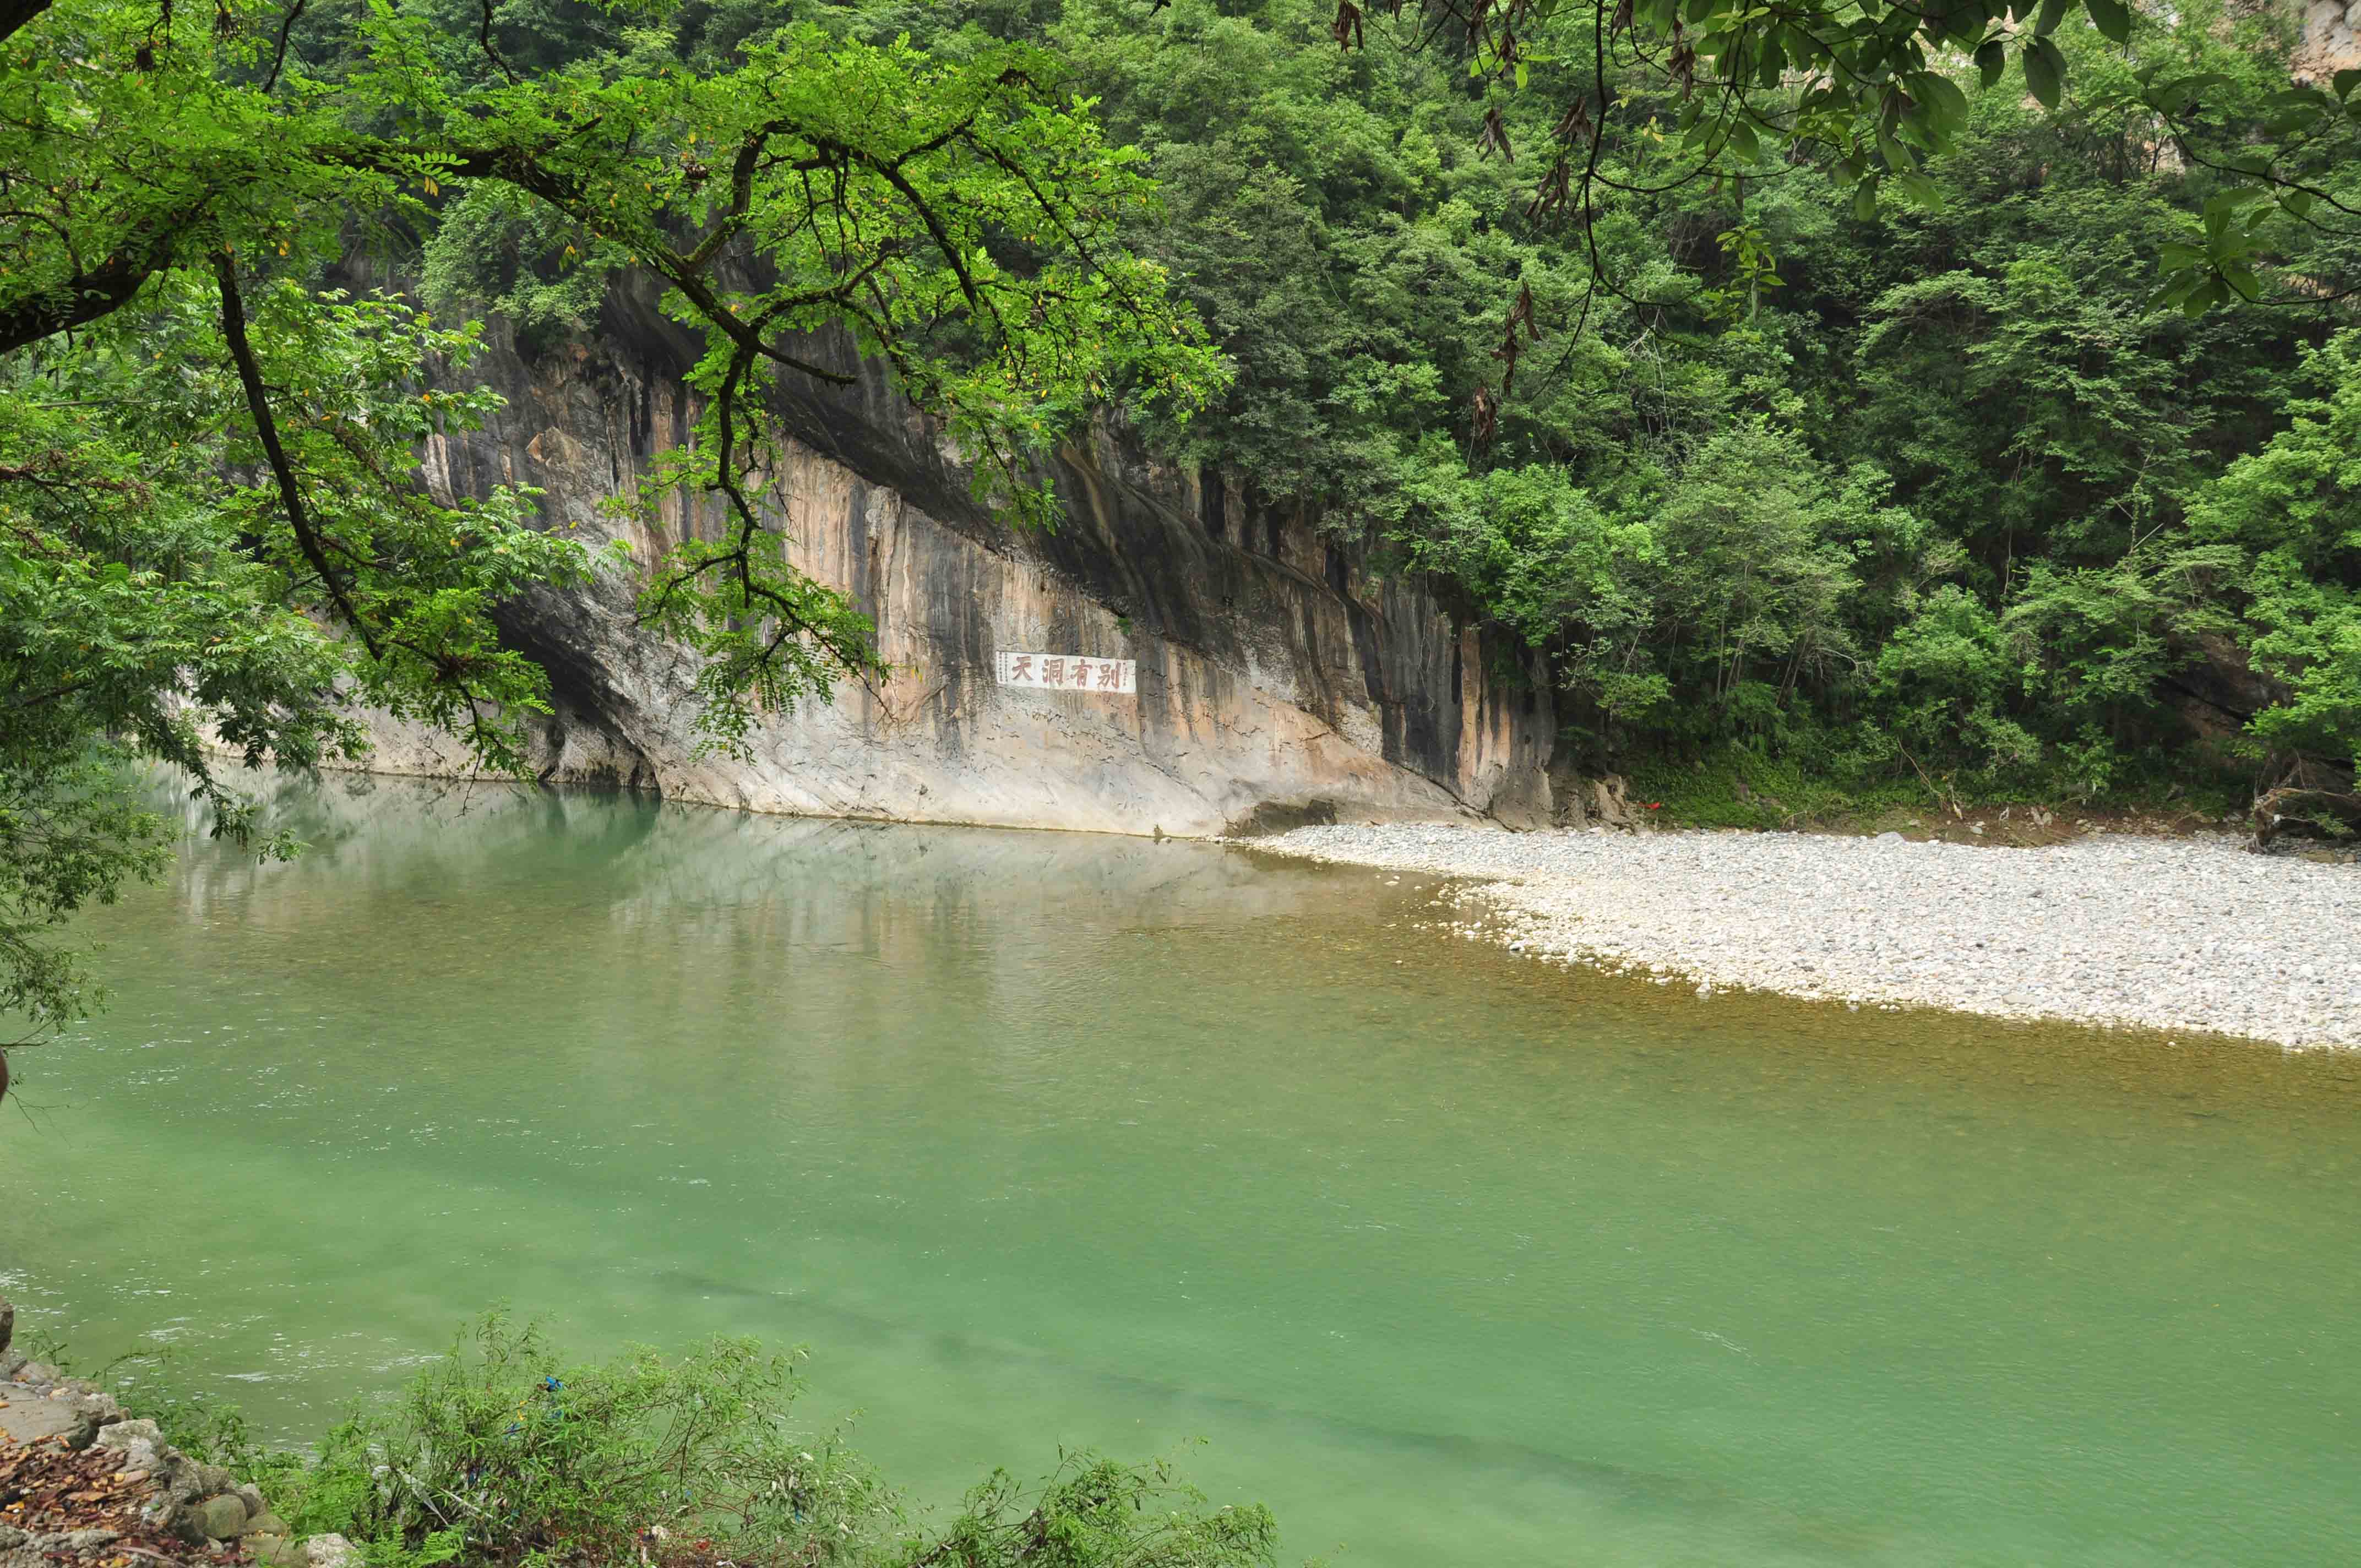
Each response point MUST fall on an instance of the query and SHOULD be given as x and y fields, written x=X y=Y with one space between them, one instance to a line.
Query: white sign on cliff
x=1069 y=673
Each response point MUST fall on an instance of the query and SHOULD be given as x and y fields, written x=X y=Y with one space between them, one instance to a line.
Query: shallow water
x=1036 y=1139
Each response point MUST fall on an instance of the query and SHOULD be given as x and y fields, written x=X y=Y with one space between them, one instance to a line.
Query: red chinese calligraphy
x=1053 y=672
x=1081 y=674
x=1110 y=676
x=1021 y=668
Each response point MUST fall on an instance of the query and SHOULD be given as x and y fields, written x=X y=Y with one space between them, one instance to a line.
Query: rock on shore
x=80 y=1481
x=2176 y=934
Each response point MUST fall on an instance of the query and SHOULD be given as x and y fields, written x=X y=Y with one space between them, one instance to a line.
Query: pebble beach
x=2196 y=934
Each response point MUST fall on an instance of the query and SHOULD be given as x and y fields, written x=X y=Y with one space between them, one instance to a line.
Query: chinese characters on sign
x=1070 y=673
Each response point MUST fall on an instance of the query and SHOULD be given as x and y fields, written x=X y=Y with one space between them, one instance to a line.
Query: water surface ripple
x=1038 y=1139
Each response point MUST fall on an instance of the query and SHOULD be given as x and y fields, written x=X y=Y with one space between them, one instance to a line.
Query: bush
x=498 y=1455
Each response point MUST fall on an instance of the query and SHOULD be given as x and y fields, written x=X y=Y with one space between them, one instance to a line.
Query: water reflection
x=1042 y=1137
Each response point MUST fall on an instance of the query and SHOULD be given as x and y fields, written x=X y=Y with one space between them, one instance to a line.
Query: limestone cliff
x=2330 y=40
x=1278 y=679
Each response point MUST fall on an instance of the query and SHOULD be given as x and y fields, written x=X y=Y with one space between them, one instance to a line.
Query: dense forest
x=1871 y=394
x=1941 y=485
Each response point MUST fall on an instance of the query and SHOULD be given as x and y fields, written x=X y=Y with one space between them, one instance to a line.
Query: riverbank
x=83 y=1483
x=2194 y=934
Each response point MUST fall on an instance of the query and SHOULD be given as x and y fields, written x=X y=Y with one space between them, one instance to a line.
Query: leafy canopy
x=1866 y=90
x=213 y=523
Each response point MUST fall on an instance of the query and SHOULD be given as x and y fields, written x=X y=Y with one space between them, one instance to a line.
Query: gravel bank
x=2193 y=934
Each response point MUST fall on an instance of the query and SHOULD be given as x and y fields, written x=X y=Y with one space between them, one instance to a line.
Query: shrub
x=497 y=1455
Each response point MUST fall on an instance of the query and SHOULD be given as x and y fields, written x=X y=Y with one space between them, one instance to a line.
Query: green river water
x=1451 y=1256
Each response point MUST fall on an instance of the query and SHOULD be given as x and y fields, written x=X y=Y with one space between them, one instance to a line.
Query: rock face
x=1280 y=681
x=2332 y=40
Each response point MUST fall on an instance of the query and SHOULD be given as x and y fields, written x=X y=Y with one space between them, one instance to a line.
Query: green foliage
x=148 y=607
x=2277 y=540
x=500 y=1454
x=214 y=528
x=1094 y=1512
x=1744 y=456
x=1844 y=382
x=497 y=1453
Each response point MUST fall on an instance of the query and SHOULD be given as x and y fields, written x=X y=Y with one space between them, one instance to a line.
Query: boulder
x=123 y=1434
x=1608 y=804
x=331 y=1551
x=253 y=1499
x=272 y=1550
x=27 y=1417
x=8 y=1312
x=224 y=1517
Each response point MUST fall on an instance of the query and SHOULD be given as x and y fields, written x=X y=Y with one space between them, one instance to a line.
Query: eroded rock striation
x=1280 y=679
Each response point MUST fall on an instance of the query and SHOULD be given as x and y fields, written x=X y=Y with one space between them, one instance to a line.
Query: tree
x=211 y=527
x=1865 y=91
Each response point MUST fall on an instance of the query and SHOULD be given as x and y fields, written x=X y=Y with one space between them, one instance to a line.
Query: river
x=1450 y=1257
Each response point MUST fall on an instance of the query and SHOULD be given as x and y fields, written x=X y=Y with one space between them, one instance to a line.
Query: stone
x=123 y=1434
x=264 y=1522
x=86 y=1540
x=28 y=1416
x=7 y=1320
x=214 y=1478
x=253 y=1499
x=224 y=1517
x=182 y=1482
x=331 y=1551
x=272 y=1550
x=184 y=1521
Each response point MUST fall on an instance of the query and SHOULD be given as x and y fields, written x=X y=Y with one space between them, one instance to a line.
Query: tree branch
x=266 y=429
x=90 y=296
x=15 y=13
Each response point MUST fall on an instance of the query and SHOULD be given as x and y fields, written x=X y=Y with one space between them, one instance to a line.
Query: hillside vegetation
x=1848 y=394
x=1948 y=482
x=1942 y=485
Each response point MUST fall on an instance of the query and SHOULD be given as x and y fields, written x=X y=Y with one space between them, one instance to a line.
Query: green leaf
x=2052 y=13
x=2173 y=95
x=1920 y=192
x=1941 y=93
x=2111 y=18
x=2345 y=82
x=1864 y=201
x=2174 y=257
x=1992 y=60
x=2045 y=72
